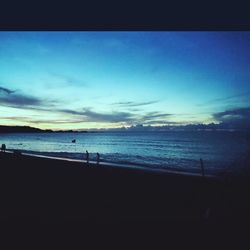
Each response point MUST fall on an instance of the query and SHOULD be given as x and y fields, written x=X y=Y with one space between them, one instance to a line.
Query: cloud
x=239 y=117
x=76 y=116
x=41 y=121
x=152 y=118
x=111 y=117
x=18 y=118
x=11 y=98
x=63 y=121
x=19 y=100
x=14 y=99
x=115 y=117
x=226 y=99
x=153 y=115
x=163 y=122
x=70 y=111
x=5 y=90
x=133 y=104
x=91 y=116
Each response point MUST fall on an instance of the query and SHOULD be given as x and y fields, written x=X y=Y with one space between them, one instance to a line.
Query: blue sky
x=78 y=80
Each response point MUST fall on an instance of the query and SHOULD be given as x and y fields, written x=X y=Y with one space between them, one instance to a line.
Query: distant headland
x=28 y=129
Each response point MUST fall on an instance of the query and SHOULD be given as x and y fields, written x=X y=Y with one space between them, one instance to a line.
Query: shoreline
x=119 y=165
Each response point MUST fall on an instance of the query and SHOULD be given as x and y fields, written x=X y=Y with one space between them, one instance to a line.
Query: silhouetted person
x=74 y=140
x=3 y=148
x=87 y=156
x=97 y=158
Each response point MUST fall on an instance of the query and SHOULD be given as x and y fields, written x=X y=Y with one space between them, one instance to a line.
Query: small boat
x=74 y=140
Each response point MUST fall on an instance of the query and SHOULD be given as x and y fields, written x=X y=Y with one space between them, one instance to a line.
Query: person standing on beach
x=87 y=156
x=3 y=148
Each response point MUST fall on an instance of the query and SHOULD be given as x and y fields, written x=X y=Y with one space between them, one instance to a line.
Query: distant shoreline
x=186 y=128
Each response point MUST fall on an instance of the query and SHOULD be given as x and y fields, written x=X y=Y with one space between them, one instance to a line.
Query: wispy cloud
x=88 y=115
x=19 y=100
x=134 y=104
x=18 y=118
x=116 y=117
x=153 y=115
x=14 y=99
x=41 y=121
x=5 y=90
x=113 y=117
x=11 y=98
x=226 y=99
x=70 y=111
x=163 y=122
x=57 y=121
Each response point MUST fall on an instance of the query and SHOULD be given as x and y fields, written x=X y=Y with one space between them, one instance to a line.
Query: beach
x=48 y=190
x=172 y=150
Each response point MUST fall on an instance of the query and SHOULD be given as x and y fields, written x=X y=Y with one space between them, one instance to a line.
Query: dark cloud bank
x=237 y=118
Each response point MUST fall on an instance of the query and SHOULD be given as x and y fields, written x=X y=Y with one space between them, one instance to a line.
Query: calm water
x=221 y=151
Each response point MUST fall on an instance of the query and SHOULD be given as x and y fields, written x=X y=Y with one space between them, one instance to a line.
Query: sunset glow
x=79 y=80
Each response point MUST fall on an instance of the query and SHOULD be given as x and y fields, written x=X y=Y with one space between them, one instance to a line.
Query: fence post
x=87 y=156
x=97 y=158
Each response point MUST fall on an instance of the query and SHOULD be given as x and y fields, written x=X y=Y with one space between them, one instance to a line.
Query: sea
x=222 y=152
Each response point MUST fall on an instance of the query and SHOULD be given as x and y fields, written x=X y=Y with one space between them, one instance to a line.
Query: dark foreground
x=45 y=191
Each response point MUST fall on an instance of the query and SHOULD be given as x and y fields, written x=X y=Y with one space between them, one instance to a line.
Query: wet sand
x=44 y=190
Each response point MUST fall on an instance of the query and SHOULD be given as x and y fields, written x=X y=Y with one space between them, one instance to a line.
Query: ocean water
x=221 y=151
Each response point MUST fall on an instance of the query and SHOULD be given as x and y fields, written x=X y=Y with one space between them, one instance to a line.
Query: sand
x=47 y=190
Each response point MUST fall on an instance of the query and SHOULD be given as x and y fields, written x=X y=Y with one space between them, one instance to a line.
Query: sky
x=84 y=80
